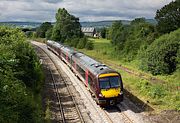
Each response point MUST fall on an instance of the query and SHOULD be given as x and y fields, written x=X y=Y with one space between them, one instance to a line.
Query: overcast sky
x=86 y=10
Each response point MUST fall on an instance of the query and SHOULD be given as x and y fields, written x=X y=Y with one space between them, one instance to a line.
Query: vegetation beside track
x=159 y=95
x=140 y=48
x=21 y=79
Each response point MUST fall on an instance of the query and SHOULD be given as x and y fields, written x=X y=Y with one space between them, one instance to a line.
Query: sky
x=86 y=10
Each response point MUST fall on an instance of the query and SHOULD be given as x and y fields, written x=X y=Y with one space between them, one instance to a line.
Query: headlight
x=100 y=95
x=121 y=92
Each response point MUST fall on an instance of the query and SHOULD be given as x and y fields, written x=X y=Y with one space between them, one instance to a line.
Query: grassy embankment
x=160 y=96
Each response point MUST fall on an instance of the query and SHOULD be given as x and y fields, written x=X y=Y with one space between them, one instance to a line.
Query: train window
x=81 y=71
x=104 y=83
x=73 y=63
x=90 y=81
x=108 y=82
x=114 y=81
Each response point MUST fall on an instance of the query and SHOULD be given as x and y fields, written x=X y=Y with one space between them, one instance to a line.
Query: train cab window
x=114 y=81
x=109 y=82
x=104 y=83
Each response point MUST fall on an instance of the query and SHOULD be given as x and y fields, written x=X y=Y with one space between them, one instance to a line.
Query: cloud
x=86 y=10
x=53 y=1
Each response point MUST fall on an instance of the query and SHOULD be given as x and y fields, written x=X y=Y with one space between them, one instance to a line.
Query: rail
x=60 y=104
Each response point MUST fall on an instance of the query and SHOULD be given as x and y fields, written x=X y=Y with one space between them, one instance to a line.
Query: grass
x=160 y=96
x=48 y=113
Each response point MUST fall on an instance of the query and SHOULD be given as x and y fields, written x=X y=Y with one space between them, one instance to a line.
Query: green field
x=160 y=96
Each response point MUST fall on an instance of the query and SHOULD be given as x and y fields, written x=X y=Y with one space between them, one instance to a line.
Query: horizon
x=79 y=21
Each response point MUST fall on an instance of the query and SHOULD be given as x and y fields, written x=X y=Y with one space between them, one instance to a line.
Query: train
x=104 y=83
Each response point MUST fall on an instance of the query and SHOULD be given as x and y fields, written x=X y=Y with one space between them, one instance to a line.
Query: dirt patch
x=167 y=116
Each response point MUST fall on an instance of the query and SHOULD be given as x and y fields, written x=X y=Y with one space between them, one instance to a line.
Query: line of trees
x=146 y=42
x=20 y=78
x=66 y=29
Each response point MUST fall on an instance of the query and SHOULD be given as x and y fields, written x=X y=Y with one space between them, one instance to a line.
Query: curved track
x=68 y=108
x=96 y=113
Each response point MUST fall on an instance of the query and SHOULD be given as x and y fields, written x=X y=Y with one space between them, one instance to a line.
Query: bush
x=72 y=42
x=89 y=45
x=48 y=34
x=20 y=78
x=82 y=43
x=157 y=92
x=44 y=27
x=162 y=56
x=128 y=39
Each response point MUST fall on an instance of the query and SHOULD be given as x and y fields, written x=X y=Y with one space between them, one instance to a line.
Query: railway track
x=97 y=113
x=102 y=114
x=115 y=115
x=126 y=118
x=103 y=117
x=68 y=110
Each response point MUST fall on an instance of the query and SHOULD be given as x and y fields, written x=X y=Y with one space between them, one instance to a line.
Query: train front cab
x=110 y=89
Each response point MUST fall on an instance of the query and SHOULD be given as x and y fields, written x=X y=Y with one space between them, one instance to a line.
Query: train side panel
x=108 y=96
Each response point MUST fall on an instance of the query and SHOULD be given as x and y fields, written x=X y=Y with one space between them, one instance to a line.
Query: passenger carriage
x=104 y=83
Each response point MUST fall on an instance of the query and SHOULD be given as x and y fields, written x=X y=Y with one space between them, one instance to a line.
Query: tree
x=49 y=34
x=20 y=78
x=82 y=43
x=41 y=31
x=162 y=56
x=103 y=32
x=116 y=27
x=168 y=17
x=89 y=45
x=67 y=26
x=138 y=20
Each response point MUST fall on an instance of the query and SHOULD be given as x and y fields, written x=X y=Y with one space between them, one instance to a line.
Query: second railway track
x=68 y=111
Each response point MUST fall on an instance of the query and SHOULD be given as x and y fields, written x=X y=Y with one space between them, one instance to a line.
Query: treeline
x=153 y=45
x=20 y=79
x=66 y=29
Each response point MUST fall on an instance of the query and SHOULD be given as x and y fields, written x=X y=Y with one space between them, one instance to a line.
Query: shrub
x=48 y=34
x=157 y=91
x=89 y=45
x=82 y=43
x=74 y=42
x=162 y=56
x=20 y=78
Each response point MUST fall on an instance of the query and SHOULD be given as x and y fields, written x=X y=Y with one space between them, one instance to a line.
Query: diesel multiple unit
x=104 y=83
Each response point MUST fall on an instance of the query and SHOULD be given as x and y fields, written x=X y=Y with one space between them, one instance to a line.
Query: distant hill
x=152 y=21
x=98 y=24
x=22 y=24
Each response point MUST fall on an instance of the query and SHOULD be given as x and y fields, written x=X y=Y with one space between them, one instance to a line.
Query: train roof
x=68 y=50
x=56 y=44
x=92 y=65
